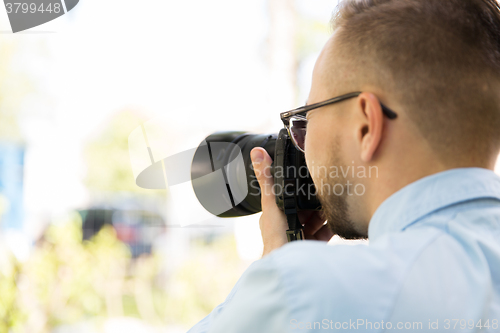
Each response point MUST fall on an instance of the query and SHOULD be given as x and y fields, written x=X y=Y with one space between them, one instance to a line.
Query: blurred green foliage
x=66 y=281
x=11 y=314
x=203 y=281
x=107 y=156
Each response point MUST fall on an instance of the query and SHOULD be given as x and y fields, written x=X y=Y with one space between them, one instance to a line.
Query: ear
x=369 y=131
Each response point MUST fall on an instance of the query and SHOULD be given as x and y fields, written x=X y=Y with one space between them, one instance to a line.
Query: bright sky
x=198 y=63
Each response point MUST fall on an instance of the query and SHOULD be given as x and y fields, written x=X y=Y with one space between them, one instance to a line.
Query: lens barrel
x=222 y=174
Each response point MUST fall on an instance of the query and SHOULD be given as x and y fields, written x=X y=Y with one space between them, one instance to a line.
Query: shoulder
x=309 y=282
x=390 y=254
x=347 y=280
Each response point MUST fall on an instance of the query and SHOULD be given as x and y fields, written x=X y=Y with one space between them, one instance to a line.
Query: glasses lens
x=298 y=126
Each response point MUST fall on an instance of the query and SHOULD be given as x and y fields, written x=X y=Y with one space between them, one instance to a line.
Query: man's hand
x=273 y=224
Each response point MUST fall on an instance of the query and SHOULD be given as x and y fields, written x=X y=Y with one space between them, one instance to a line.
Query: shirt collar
x=429 y=194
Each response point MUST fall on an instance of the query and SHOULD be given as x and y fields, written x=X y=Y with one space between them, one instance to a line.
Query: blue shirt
x=432 y=265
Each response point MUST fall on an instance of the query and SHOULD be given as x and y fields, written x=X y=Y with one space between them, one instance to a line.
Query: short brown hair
x=438 y=58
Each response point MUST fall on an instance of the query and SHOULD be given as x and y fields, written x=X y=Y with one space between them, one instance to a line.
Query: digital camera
x=230 y=152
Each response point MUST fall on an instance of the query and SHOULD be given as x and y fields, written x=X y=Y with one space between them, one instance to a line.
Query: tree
x=108 y=161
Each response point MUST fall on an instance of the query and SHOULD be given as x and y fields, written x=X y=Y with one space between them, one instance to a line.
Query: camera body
x=291 y=174
x=225 y=183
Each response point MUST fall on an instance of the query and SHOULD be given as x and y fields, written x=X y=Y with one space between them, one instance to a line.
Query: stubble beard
x=335 y=207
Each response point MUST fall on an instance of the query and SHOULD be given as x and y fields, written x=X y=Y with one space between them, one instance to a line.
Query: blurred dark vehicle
x=137 y=228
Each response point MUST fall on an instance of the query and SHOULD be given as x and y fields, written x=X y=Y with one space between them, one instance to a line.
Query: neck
x=398 y=172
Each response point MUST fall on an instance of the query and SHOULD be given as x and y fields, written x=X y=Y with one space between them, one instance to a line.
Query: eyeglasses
x=296 y=123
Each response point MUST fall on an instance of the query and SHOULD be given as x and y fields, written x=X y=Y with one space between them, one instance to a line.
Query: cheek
x=323 y=147
x=315 y=143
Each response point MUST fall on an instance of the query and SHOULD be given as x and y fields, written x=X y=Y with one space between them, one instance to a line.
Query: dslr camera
x=229 y=152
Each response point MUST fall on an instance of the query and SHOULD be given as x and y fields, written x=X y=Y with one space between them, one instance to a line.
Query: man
x=426 y=121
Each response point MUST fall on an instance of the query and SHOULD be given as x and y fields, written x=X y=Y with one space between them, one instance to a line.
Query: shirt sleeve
x=257 y=303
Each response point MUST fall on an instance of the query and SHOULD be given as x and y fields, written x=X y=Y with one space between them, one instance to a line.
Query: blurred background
x=82 y=247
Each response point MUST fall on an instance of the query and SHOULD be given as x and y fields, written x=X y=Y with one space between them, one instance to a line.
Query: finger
x=313 y=223
x=261 y=162
x=324 y=233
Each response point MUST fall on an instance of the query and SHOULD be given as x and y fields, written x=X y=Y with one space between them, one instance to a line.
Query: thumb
x=261 y=162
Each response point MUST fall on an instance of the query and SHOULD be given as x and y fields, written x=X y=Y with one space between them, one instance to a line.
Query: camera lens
x=222 y=175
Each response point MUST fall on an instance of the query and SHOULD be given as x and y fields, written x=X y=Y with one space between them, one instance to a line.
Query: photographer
x=422 y=186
